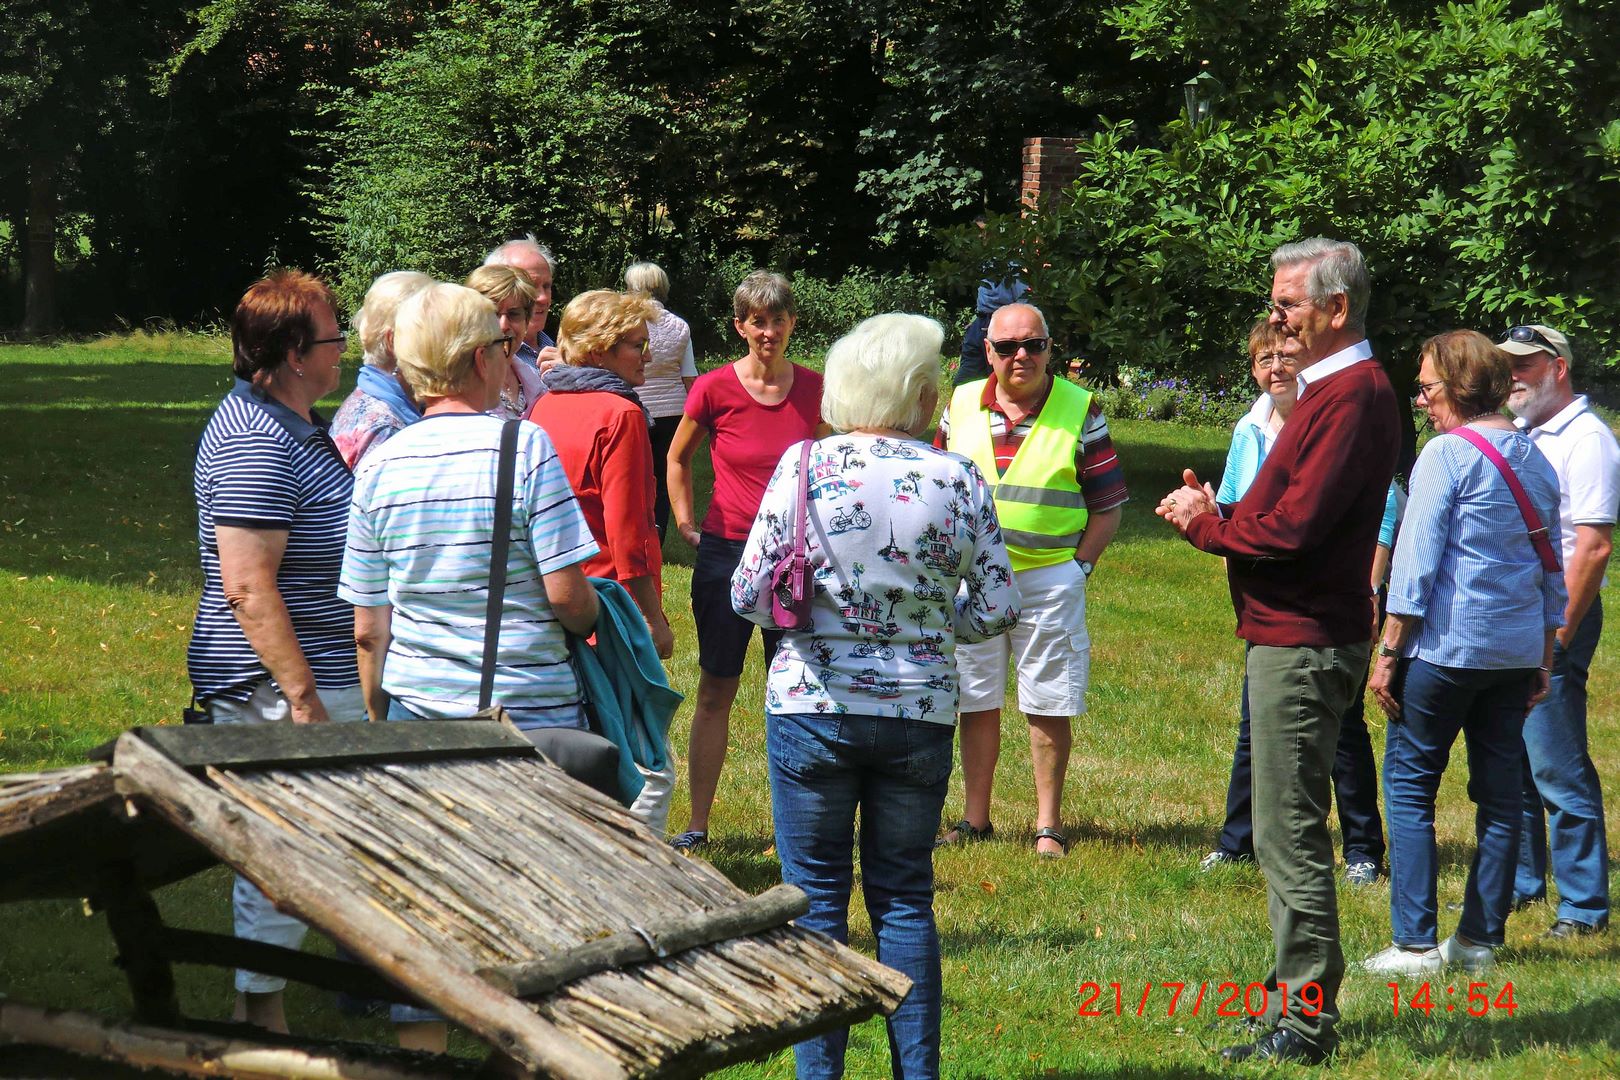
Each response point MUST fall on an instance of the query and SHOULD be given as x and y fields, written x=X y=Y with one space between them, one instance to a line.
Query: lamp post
x=1199 y=94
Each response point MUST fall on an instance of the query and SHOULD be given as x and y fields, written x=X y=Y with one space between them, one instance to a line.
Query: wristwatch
x=1385 y=650
x=1085 y=567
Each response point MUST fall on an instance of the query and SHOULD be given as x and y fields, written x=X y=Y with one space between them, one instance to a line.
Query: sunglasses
x=1010 y=346
x=505 y=343
x=1529 y=335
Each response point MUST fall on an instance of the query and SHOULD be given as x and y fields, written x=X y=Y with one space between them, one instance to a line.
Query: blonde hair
x=649 y=278
x=593 y=322
x=437 y=331
x=501 y=283
x=878 y=375
x=376 y=315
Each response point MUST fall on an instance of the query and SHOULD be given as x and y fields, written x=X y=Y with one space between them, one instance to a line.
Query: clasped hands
x=1186 y=502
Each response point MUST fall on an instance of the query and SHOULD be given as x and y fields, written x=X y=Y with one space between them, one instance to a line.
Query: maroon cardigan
x=1299 y=544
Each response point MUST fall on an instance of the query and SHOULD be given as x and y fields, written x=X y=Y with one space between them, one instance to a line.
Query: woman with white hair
x=379 y=405
x=861 y=704
x=671 y=370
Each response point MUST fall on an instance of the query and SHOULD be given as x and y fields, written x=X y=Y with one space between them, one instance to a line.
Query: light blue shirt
x=1465 y=564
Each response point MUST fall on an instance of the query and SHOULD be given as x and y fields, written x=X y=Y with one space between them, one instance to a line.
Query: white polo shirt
x=1584 y=453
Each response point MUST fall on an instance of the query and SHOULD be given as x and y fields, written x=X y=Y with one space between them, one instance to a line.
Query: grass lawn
x=98 y=580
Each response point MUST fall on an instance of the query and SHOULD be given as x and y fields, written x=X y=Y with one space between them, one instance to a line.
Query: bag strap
x=505 y=481
x=802 y=505
x=1532 y=520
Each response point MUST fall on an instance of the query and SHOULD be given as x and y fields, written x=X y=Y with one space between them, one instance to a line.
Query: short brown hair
x=1476 y=374
x=766 y=293
x=1264 y=336
x=276 y=314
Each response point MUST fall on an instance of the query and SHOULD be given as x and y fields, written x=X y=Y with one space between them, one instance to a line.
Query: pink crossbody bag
x=1532 y=520
x=792 y=582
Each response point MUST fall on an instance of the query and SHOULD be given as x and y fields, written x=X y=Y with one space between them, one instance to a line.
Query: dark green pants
x=1296 y=697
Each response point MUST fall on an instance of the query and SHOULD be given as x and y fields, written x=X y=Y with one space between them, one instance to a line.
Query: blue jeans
x=1559 y=775
x=1436 y=703
x=822 y=769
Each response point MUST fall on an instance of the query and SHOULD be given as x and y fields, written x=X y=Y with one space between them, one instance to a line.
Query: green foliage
x=1471 y=150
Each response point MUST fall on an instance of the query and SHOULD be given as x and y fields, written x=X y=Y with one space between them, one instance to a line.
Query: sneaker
x=1564 y=929
x=1475 y=958
x=1361 y=873
x=688 y=842
x=1396 y=960
x=1221 y=857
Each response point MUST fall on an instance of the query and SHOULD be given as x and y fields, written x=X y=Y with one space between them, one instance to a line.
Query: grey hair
x=649 y=278
x=764 y=291
x=1046 y=330
x=1338 y=268
x=376 y=315
x=883 y=374
x=498 y=257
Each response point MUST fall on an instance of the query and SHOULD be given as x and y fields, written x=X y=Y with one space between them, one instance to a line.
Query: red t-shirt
x=606 y=453
x=747 y=439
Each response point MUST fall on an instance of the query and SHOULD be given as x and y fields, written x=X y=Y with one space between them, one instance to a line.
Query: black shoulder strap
x=505 y=481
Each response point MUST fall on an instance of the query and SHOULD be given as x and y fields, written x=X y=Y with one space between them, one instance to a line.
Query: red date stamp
x=1475 y=998
x=1220 y=998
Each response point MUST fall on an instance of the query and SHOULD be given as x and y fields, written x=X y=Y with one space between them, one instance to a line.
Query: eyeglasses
x=640 y=346
x=341 y=339
x=505 y=343
x=1010 y=346
x=1269 y=306
x=1427 y=389
x=1529 y=335
x=1273 y=361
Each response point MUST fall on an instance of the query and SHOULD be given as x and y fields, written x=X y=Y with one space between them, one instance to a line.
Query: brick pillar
x=1050 y=166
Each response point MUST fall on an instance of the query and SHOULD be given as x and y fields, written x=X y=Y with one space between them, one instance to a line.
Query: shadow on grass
x=1594 y=1022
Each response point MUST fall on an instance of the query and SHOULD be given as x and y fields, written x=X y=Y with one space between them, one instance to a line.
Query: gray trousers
x=1296 y=698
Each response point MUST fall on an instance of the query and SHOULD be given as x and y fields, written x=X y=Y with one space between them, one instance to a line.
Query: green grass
x=98 y=580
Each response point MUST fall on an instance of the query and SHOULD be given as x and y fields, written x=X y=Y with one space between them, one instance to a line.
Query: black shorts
x=722 y=633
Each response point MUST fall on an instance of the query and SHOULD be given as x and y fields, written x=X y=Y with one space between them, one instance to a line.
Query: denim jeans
x=1355 y=789
x=1436 y=703
x=1559 y=775
x=895 y=771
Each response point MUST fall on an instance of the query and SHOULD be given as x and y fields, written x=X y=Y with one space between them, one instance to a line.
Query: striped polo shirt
x=420 y=529
x=262 y=466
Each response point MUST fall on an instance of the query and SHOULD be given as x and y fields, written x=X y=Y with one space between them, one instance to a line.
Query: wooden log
x=260 y=746
x=190 y=1053
x=222 y=950
x=315 y=889
x=136 y=926
x=537 y=978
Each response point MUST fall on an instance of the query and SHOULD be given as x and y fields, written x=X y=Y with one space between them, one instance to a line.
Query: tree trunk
x=39 y=262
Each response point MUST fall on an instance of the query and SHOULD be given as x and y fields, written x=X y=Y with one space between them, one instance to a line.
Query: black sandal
x=966 y=833
x=1051 y=834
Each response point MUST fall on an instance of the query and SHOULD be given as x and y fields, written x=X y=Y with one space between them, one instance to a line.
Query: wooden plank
x=223 y=950
x=314 y=888
x=259 y=746
x=193 y=1053
x=536 y=978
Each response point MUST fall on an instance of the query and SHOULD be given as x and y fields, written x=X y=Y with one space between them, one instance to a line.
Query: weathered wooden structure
x=462 y=869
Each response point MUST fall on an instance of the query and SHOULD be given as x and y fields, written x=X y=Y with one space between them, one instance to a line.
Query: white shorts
x=254 y=916
x=1050 y=647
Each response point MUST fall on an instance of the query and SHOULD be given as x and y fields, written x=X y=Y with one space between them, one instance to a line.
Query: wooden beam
x=264 y=746
x=136 y=926
x=314 y=889
x=536 y=978
x=223 y=950
x=191 y=1053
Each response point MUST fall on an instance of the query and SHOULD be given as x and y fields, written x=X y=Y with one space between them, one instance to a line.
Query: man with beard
x=1558 y=773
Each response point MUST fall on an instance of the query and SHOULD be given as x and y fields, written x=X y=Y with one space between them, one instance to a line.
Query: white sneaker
x=1475 y=958
x=1396 y=960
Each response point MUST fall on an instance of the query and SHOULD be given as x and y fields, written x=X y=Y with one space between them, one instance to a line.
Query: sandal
x=1051 y=834
x=965 y=833
x=688 y=842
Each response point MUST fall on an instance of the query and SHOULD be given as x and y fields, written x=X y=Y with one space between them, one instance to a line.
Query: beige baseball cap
x=1533 y=338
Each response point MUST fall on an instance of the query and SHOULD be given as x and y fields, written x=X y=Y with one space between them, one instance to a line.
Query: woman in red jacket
x=601 y=432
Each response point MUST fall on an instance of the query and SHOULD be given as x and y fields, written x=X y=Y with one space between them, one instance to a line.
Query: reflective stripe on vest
x=1039 y=502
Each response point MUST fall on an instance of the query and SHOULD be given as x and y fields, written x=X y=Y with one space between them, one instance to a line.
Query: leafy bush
x=1174 y=400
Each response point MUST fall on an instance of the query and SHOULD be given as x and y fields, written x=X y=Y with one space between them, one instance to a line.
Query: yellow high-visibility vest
x=1039 y=502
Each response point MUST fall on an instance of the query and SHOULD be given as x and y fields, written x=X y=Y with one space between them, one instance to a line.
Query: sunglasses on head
x=1529 y=335
x=1010 y=346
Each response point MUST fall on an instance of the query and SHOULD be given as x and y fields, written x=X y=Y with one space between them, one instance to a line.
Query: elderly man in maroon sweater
x=1299 y=548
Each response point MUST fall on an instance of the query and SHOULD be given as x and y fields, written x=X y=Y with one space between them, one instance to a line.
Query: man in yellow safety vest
x=1043 y=445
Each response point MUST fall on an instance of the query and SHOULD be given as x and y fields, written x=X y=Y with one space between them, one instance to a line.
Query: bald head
x=1021 y=312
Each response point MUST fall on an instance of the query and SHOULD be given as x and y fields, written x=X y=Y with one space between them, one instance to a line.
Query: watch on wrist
x=1085 y=567
x=1385 y=650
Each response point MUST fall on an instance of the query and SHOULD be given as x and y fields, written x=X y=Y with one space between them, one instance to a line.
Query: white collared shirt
x=1354 y=354
x=1586 y=457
